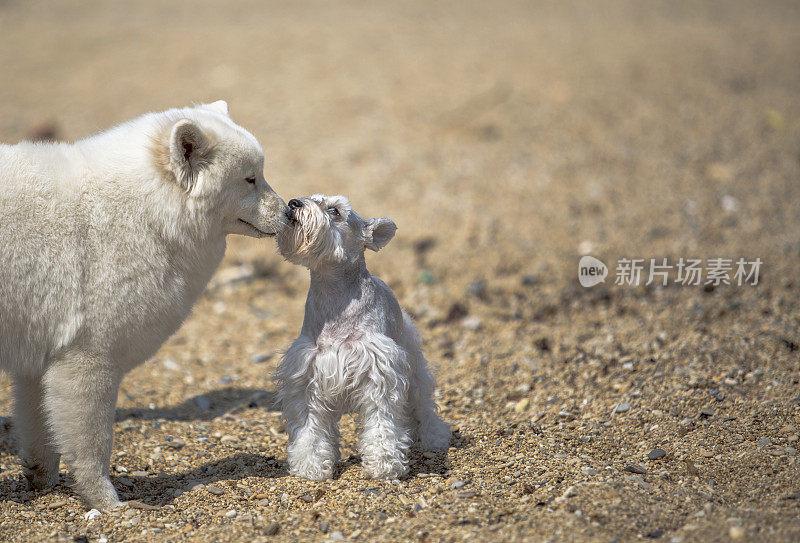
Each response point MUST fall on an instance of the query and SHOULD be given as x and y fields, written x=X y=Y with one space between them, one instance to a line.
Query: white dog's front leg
x=39 y=458
x=385 y=439
x=313 y=436
x=80 y=393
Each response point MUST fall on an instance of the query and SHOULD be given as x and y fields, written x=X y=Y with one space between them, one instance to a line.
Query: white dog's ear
x=220 y=106
x=190 y=150
x=378 y=233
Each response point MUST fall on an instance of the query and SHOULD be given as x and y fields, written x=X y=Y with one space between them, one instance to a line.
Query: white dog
x=357 y=351
x=106 y=244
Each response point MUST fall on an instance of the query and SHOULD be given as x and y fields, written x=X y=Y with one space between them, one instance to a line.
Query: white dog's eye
x=333 y=211
x=251 y=180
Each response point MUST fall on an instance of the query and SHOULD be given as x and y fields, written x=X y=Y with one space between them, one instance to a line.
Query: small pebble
x=458 y=484
x=170 y=364
x=765 y=442
x=472 y=323
x=136 y=504
x=522 y=405
x=311 y=497
x=261 y=357
x=231 y=514
x=91 y=514
x=272 y=529
x=622 y=407
x=175 y=444
x=635 y=468
x=656 y=454
x=736 y=532
x=214 y=489
x=706 y=412
x=477 y=288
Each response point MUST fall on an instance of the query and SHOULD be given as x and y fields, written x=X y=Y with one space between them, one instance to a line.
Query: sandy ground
x=506 y=140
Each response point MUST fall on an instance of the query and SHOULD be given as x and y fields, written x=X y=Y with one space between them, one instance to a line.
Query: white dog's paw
x=38 y=475
x=98 y=493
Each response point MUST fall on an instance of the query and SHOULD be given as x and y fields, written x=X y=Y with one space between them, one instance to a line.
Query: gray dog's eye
x=333 y=211
x=251 y=180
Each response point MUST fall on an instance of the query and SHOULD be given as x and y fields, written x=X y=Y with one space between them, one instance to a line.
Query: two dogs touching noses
x=108 y=243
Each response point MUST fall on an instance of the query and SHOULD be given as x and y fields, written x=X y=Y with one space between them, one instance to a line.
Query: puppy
x=106 y=244
x=357 y=350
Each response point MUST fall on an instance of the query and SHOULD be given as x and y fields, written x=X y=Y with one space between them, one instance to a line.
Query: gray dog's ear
x=190 y=150
x=378 y=233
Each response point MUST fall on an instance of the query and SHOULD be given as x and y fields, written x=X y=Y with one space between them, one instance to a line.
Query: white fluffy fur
x=106 y=244
x=357 y=351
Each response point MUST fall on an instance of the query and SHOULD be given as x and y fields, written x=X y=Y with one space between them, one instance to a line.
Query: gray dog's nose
x=294 y=203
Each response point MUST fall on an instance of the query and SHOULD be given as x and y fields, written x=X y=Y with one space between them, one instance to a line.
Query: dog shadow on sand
x=217 y=403
x=206 y=406
x=217 y=477
x=161 y=488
